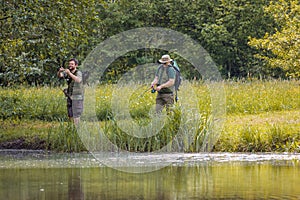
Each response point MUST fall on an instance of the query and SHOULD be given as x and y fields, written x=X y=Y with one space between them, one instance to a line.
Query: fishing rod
x=144 y=92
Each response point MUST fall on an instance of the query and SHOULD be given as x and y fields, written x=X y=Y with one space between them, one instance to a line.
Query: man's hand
x=68 y=71
x=61 y=69
x=158 y=88
x=75 y=78
x=59 y=72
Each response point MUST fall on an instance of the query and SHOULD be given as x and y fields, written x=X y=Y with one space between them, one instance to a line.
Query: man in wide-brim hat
x=164 y=84
x=165 y=59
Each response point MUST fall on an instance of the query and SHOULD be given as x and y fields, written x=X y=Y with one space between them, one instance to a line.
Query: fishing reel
x=153 y=90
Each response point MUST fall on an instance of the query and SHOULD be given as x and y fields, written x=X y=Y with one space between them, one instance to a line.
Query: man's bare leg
x=76 y=120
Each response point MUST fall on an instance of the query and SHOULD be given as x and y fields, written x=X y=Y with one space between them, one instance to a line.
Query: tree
x=37 y=35
x=223 y=27
x=227 y=36
x=281 y=49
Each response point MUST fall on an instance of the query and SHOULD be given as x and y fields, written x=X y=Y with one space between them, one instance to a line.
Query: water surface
x=36 y=175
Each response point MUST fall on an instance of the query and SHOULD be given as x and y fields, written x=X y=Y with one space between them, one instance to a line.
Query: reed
x=261 y=116
x=261 y=138
x=63 y=137
x=261 y=96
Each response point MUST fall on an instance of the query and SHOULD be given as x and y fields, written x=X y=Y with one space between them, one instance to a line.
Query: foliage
x=222 y=28
x=37 y=36
x=281 y=49
x=128 y=142
x=256 y=120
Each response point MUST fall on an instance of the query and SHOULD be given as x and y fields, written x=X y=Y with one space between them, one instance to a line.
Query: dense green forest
x=245 y=38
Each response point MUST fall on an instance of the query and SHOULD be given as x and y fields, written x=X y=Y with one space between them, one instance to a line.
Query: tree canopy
x=36 y=36
x=244 y=37
x=281 y=48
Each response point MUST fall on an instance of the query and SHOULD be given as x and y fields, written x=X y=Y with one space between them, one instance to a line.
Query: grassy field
x=261 y=116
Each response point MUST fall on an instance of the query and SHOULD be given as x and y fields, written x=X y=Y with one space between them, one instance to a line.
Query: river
x=42 y=175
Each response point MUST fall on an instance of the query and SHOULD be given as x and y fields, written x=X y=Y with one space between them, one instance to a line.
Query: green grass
x=258 y=97
x=270 y=131
x=35 y=134
x=43 y=103
x=261 y=116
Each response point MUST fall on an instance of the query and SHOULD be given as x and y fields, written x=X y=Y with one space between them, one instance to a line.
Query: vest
x=75 y=90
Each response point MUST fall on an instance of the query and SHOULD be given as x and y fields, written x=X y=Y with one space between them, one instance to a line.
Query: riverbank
x=266 y=132
x=261 y=116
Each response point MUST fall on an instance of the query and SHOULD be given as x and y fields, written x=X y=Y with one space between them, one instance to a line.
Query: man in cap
x=163 y=83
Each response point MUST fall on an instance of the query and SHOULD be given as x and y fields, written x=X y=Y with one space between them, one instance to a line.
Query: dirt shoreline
x=21 y=143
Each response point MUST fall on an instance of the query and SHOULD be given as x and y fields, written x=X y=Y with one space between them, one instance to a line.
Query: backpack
x=178 y=78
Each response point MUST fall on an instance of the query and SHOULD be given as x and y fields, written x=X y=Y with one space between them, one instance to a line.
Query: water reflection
x=75 y=190
x=272 y=179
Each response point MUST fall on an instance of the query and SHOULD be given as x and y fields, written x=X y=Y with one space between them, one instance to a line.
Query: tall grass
x=127 y=142
x=261 y=138
x=63 y=137
x=43 y=103
x=243 y=99
x=261 y=96
x=46 y=103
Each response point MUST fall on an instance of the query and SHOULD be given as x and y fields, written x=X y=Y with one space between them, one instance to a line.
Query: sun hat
x=165 y=59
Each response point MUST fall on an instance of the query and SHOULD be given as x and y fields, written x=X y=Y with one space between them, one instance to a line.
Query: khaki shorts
x=74 y=107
